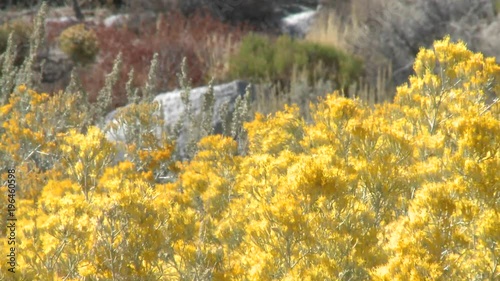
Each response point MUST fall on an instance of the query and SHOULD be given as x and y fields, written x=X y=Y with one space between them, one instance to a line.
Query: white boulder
x=297 y=25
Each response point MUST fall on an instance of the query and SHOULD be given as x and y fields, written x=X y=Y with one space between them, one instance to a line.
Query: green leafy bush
x=496 y=5
x=79 y=43
x=21 y=35
x=260 y=58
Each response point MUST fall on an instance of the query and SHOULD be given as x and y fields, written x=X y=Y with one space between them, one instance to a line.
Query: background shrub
x=254 y=58
x=79 y=43
x=261 y=59
x=203 y=40
x=173 y=36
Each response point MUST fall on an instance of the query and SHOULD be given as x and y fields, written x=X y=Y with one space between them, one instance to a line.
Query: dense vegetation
x=261 y=59
x=405 y=191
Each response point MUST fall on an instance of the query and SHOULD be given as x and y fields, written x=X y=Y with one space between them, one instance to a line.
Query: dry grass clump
x=260 y=58
x=338 y=31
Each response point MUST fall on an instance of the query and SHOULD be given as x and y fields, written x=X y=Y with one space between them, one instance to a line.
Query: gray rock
x=173 y=108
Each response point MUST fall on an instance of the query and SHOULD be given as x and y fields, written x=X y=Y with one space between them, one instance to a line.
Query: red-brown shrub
x=173 y=37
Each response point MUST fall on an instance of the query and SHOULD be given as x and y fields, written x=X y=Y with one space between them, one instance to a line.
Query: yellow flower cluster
x=86 y=157
x=149 y=149
x=402 y=191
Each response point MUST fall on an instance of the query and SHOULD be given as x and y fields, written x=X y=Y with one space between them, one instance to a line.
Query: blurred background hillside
x=383 y=35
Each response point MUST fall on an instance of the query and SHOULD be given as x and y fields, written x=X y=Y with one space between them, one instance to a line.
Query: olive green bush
x=261 y=59
x=496 y=6
x=79 y=43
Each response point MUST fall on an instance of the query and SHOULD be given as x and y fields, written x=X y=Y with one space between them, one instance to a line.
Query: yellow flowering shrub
x=32 y=126
x=403 y=191
x=86 y=156
x=144 y=141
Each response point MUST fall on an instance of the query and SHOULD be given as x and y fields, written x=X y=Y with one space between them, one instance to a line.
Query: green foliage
x=21 y=35
x=79 y=43
x=253 y=58
x=496 y=5
x=259 y=58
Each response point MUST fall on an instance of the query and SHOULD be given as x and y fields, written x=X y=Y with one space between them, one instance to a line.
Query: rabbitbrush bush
x=408 y=190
